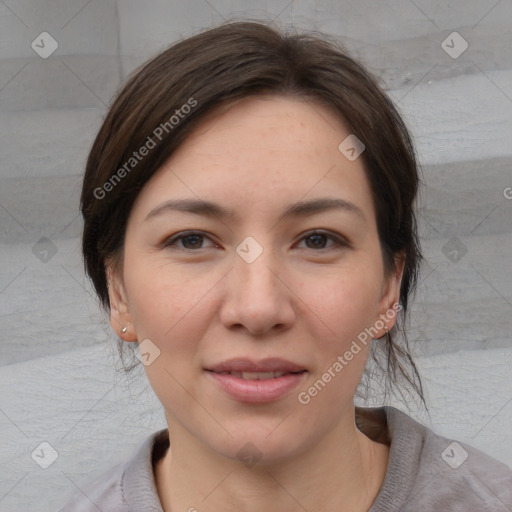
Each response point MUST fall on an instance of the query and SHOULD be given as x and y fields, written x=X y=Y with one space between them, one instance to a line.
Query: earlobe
x=120 y=318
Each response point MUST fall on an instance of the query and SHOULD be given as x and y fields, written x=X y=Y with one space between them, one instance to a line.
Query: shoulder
x=455 y=476
x=126 y=486
x=104 y=493
x=428 y=472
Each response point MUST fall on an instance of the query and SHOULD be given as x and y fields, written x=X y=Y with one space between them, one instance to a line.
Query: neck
x=343 y=471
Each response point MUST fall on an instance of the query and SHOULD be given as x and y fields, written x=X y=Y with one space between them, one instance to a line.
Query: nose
x=257 y=298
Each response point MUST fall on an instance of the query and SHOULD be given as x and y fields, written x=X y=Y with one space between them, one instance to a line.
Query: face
x=283 y=261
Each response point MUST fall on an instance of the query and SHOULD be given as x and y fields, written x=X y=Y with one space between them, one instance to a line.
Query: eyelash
x=339 y=241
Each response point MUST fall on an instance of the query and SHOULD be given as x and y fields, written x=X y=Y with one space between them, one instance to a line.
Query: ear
x=119 y=311
x=389 y=304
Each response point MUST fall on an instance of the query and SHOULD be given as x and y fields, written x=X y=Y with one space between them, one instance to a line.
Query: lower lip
x=258 y=391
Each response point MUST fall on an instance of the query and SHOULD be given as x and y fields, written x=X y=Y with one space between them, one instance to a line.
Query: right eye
x=187 y=241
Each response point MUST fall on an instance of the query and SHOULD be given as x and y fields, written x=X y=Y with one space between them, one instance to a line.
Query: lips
x=257 y=381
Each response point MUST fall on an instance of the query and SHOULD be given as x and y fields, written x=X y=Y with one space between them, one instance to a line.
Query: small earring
x=124 y=329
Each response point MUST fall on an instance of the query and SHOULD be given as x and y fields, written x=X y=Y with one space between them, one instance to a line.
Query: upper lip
x=273 y=364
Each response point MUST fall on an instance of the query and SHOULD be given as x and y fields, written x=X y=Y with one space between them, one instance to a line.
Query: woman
x=248 y=219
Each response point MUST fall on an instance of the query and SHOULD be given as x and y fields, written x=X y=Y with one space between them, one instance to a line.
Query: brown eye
x=316 y=241
x=320 y=240
x=187 y=241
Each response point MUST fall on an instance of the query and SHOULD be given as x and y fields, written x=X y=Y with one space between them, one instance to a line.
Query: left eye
x=319 y=240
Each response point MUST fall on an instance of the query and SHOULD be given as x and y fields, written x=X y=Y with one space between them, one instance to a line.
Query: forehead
x=270 y=149
x=275 y=123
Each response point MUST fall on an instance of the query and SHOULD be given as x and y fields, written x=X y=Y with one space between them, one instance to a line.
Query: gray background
x=459 y=110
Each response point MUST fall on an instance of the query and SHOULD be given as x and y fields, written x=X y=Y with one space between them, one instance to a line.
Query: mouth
x=258 y=375
x=256 y=382
x=264 y=366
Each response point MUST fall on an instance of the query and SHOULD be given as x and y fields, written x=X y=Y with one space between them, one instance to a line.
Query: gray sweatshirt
x=425 y=472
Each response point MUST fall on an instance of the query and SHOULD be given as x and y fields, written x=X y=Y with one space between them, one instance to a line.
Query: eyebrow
x=299 y=209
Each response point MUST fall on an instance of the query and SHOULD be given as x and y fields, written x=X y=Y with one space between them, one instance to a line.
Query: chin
x=262 y=446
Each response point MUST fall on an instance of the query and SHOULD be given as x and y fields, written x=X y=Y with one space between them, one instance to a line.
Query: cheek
x=346 y=301
x=163 y=298
x=173 y=311
x=341 y=311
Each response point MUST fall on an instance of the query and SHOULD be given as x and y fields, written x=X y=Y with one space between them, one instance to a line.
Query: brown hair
x=230 y=62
